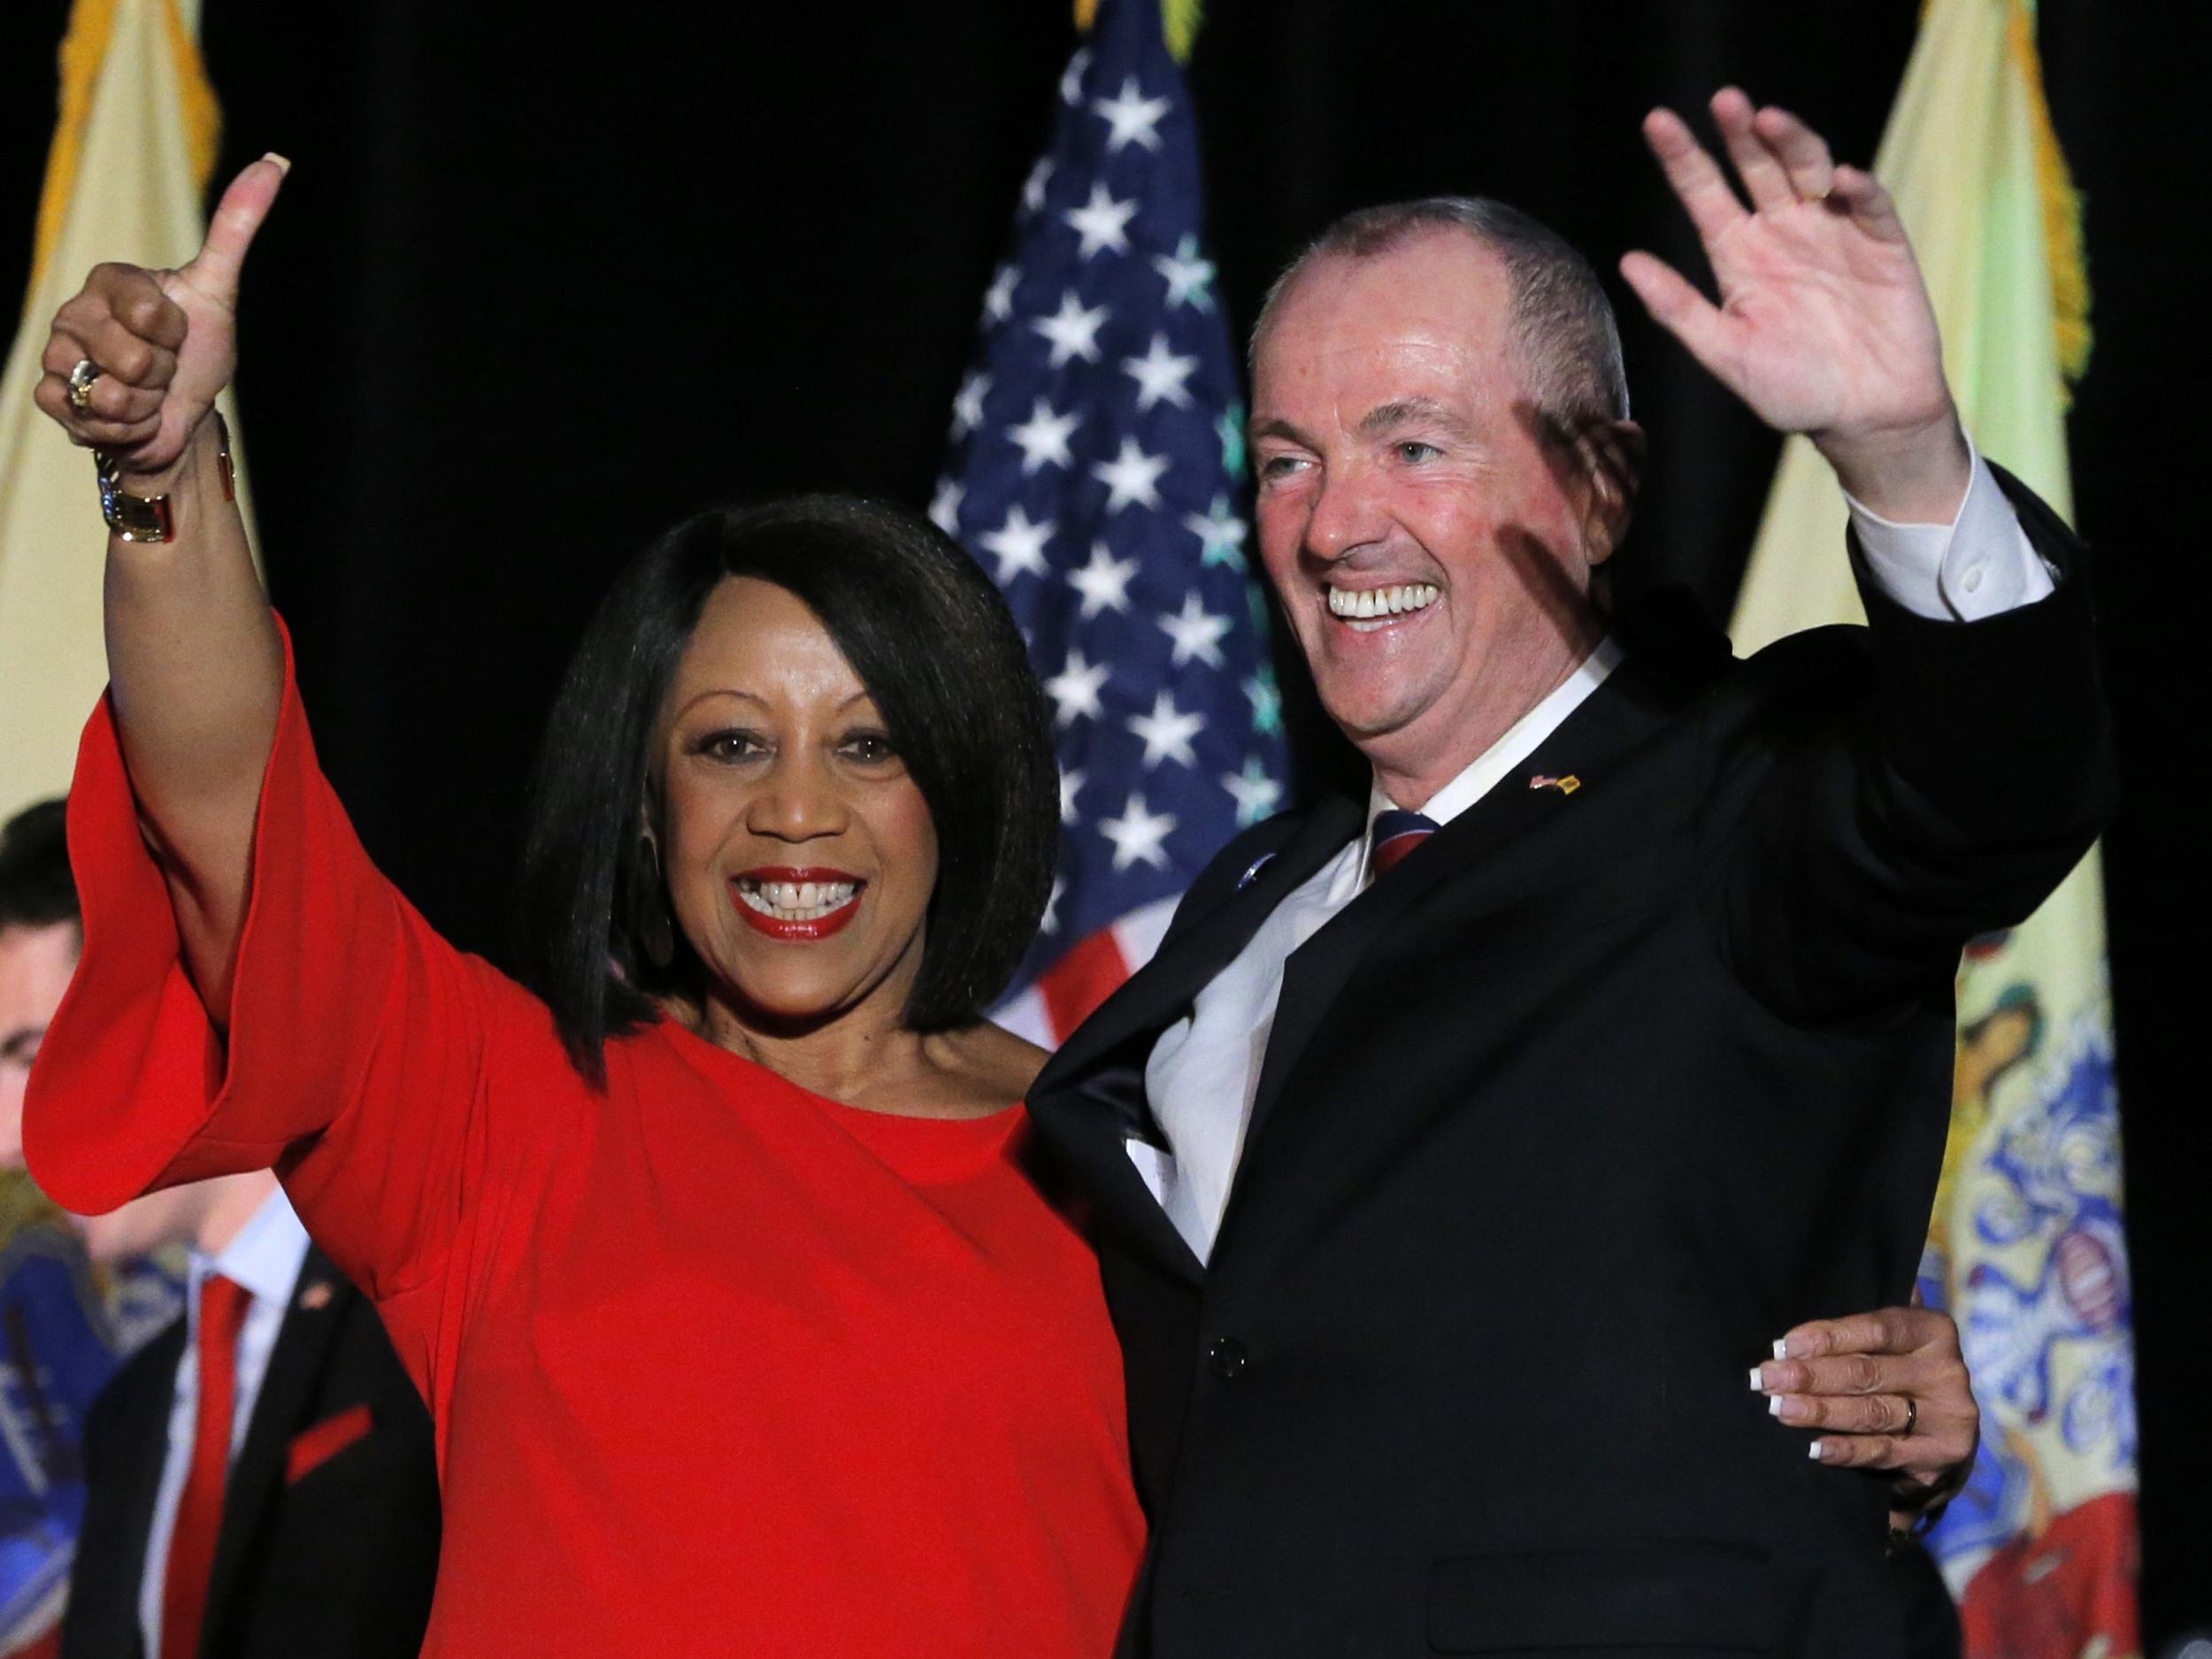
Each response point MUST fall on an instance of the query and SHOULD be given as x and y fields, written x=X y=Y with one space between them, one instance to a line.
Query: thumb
x=214 y=269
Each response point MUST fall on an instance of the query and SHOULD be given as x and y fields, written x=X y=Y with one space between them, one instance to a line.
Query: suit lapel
x=1092 y=1103
x=311 y=1322
x=1601 y=729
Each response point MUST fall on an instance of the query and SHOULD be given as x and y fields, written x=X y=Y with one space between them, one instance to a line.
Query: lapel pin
x=316 y=1296
x=1567 y=785
x=1253 y=873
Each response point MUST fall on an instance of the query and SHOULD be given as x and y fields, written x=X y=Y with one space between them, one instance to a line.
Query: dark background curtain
x=544 y=280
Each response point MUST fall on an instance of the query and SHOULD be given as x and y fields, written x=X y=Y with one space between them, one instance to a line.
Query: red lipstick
x=765 y=909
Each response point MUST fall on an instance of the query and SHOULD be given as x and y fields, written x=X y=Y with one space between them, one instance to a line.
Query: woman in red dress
x=712 y=1243
x=744 y=1327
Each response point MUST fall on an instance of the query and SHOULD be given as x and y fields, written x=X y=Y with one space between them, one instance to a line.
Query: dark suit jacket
x=1560 y=1123
x=329 y=1545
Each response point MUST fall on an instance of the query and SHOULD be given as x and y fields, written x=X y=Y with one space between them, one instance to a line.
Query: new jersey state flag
x=1096 y=470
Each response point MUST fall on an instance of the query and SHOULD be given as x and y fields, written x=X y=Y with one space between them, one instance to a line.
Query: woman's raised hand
x=163 y=342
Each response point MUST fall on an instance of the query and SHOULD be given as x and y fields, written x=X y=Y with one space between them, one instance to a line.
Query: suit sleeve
x=359 y=1050
x=1933 y=782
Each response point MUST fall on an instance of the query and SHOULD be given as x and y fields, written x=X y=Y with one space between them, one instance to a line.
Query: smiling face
x=1432 y=547
x=799 y=856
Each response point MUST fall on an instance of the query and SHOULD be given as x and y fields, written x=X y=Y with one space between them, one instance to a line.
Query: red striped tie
x=223 y=1305
x=1395 y=835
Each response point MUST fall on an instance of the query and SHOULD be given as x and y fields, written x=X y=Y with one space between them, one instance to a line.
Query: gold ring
x=1912 y=1417
x=81 y=379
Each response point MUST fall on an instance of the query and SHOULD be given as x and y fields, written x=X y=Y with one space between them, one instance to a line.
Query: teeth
x=796 y=900
x=1371 y=603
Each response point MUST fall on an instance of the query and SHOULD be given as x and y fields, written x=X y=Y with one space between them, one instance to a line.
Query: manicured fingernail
x=284 y=163
x=1813 y=1451
x=1758 y=1379
x=1791 y=1409
x=1781 y=1348
x=1774 y=1405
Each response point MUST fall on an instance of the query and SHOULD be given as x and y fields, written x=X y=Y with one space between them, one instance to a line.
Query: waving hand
x=1823 y=325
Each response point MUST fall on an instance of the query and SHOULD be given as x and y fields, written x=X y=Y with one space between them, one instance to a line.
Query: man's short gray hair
x=1562 y=327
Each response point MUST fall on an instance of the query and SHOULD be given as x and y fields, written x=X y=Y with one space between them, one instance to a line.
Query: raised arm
x=196 y=667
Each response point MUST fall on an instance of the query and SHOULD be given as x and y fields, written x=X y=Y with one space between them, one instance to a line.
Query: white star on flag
x=1257 y=793
x=1103 y=582
x=1221 y=533
x=1044 y=437
x=1049 y=923
x=1138 y=835
x=944 y=506
x=967 y=405
x=1133 y=476
x=1195 y=633
x=1102 y=222
x=1133 y=117
x=1075 y=691
x=1159 y=375
x=1189 y=278
x=1020 y=545
x=1071 y=80
x=1072 y=330
x=1070 y=785
x=998 y=299
x=1167 y=731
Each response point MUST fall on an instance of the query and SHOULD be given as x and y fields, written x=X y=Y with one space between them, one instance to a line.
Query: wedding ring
x=1912 y=1417
x=81 y=379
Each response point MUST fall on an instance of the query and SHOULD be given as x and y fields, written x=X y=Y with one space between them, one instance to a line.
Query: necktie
x=1395 y=835
x=223 y=1305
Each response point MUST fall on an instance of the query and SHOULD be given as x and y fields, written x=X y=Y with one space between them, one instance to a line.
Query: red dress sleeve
x=361 y=1047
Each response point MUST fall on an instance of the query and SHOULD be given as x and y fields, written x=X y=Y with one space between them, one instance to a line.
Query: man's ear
x=1612 y=457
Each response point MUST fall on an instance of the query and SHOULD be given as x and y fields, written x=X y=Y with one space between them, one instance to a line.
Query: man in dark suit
x=322 y=1536
x=1459 y=1151
x=260 y=1478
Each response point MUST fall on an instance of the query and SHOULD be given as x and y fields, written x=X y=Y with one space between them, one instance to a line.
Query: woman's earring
x=649 y=907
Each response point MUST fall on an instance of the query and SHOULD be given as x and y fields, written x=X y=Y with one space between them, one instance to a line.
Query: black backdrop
x=542 y=281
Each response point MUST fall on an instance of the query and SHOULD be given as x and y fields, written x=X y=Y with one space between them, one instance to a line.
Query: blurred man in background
x=259 y=1480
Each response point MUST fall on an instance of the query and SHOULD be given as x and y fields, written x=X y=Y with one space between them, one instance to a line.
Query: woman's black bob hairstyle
x=929 y=636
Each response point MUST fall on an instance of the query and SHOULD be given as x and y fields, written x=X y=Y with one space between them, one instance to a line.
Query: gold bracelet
x=143 y=519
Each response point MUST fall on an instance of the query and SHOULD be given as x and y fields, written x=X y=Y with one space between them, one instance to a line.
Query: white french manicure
x=1813 y=1451
x=1774 y=1405
x=1781 y=1348
x=1758 y=1379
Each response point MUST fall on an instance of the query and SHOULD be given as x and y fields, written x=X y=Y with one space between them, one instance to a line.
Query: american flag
x=1097 y=469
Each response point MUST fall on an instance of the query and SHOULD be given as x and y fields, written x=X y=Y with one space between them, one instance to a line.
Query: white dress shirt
x=265 y=1258
x=1204 y=1070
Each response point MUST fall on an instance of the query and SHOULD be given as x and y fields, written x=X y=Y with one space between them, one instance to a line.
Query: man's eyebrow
x=1276 y=426
x=1409 y=411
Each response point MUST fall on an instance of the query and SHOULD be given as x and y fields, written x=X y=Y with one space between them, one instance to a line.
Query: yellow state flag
x=2025 y=1246
x=126 y=179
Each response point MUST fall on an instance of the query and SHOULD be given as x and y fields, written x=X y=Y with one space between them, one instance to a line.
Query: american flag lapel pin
x=316 y=1297
x=1567 y=785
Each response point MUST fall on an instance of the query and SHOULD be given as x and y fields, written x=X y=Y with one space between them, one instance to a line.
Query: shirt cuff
x=1979 y=564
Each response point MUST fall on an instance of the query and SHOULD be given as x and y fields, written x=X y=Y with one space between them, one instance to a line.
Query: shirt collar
x=1515 y=744
x=264 y=1256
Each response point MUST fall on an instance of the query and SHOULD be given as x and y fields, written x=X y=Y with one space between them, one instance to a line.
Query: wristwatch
x=141 y=518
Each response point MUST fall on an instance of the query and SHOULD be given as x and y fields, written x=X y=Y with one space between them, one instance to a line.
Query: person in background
x=259 y=1479
x=64 y=1326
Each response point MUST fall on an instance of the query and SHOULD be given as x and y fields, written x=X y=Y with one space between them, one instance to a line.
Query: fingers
x=238 y=216
x=126 y=330
x=1851 y=1414
x=1758 y=162
x=1693 y=174
x=1884 y=1331
x=1802 y=154
x=1678 y=308
x=1861 y=193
